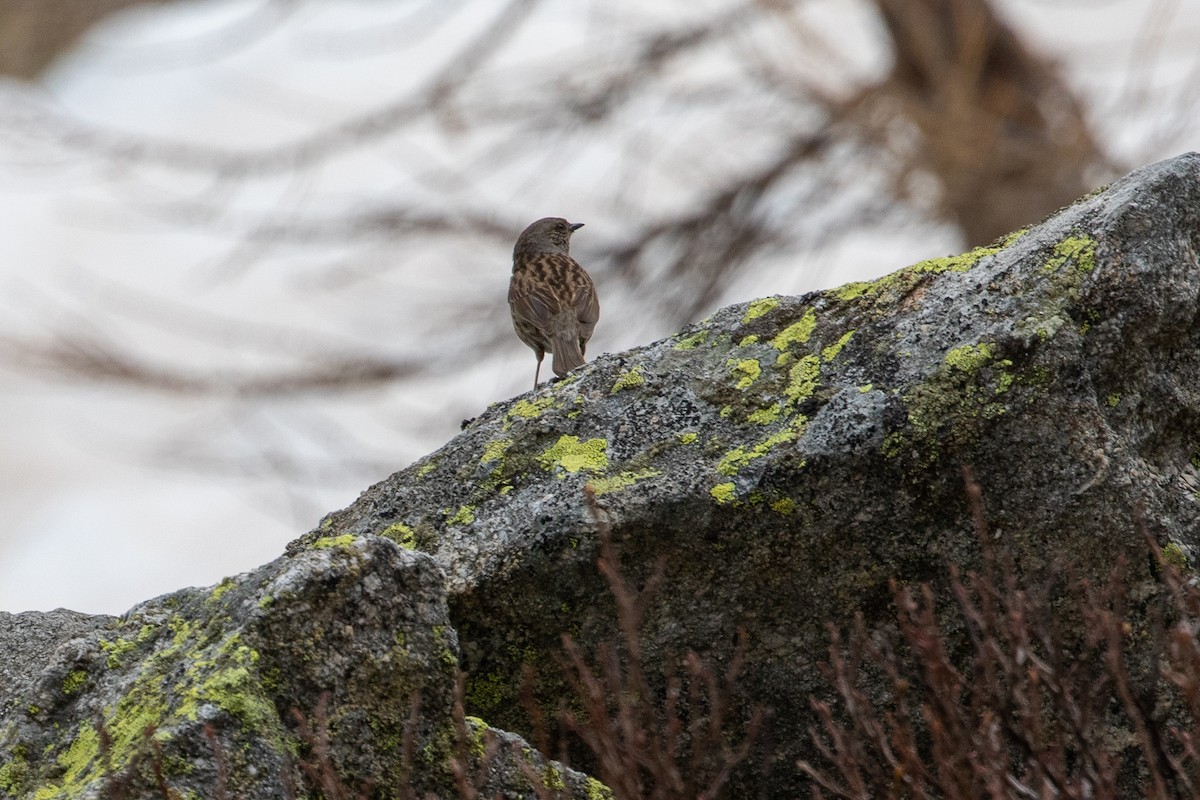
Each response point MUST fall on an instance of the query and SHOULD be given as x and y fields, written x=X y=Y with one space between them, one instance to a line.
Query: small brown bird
x=553 y=300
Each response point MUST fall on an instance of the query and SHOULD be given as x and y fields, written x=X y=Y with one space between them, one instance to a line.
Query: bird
x=553 y=300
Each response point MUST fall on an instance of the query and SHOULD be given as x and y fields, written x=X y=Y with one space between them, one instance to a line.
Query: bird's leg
x=537 y=371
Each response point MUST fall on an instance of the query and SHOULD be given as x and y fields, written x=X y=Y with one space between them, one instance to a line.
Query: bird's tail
x=567 y=353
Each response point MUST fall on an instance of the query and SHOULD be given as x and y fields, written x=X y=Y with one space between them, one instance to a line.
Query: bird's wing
x=531 y=302
x=587 y=307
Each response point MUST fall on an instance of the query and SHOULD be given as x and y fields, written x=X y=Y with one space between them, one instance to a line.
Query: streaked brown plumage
x=553 y=300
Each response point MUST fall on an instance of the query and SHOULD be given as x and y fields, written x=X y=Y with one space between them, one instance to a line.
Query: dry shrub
x=1021 y=703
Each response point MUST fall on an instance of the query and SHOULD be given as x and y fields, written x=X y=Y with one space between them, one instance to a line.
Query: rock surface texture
x=197 y=693
x=784 y=460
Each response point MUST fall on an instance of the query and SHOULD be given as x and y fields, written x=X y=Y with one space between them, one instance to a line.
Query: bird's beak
x=576 y=226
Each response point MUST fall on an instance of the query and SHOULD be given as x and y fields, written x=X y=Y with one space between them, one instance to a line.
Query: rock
x=203 y=687
x=787 y=457
x=783 y=460
x=28 y=642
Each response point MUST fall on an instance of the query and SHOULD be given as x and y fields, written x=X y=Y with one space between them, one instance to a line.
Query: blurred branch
x=33 y=33
x=91 y=360
x=1005 y=136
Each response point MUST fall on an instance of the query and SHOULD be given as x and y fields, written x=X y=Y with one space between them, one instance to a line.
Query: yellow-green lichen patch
x=1080 y=251
x=628 y=380
x=228 y=680
x=747 y=371
x=495 y=450
x=595 y=790
x=758 y=308
x=477 y=730
x=464 y=516
x=970 y=357
x=220 y=589
x=831 y=352
x=740 y=456
x=748 y=340
x=142 y=708
x=866 y=387
x=488 y=692
x=902 y=281
x=1173 y=554
x=425 y=469
x=950 y=406
x=1113 y=400
x=689 y=437
x=331 y=542
x=693 y=341
x=784 y=506
x=529 y=409
x=803 y=379
x=12 y=776
x=116 y=650
x=573 y=455
x=401 y=534
x=723 y=493
x=621 y=480
x=765 y=416
x=854 y=290
x=796 y=333
x=76 y=679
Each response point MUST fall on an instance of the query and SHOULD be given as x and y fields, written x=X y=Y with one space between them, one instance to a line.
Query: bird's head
x=547 y=235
